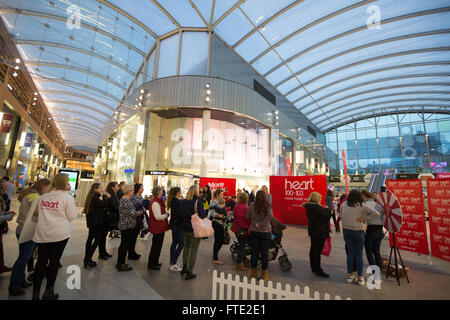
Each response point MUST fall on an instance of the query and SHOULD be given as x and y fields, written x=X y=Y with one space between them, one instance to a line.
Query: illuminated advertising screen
x=73 y=178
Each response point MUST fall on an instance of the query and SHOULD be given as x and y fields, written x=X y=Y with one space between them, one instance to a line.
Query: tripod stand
x=396 y=251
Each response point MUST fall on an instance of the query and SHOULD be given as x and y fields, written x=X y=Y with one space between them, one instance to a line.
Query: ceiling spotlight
x=35 y=93
x=207 y=86
x=17 y=60
x=276 y=111
x=34 y=98
x=15 y=74
x=207 y=99
x=16 y=67
x=34 y=103
x=141 y=97
x=208 y=91
x=142 y=91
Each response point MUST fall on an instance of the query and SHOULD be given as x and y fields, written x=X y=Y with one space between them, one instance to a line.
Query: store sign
x=220 y=183
x=87 y=174
x=156 y=173
x=359 y=178
x=289 y=193
x=412 y=236
x=406 y=176
x=445 y=175
x=28 y=140
x=334 y=178
x=6 y=122
x=439 y=217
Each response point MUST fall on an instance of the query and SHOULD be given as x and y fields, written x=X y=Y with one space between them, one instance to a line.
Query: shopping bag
x=326 y=250
x=202 y=227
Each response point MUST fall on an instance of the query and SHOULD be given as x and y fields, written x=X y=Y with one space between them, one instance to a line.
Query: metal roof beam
x=73 y=94
x=237 y=4
x=409 y=65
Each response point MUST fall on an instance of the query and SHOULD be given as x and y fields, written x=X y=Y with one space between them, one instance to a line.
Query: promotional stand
x=396 y=252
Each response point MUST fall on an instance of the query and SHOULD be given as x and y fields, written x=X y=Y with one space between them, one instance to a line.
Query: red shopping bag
x=326 y=250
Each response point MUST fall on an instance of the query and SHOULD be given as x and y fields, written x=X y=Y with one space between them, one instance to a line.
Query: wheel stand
x=396 y=252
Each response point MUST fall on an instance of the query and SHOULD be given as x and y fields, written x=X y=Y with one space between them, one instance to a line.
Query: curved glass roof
x=327 y=57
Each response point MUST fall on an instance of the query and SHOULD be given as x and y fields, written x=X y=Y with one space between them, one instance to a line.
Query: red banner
x=222 y=183
x=288 y=194
x=412 y=236
x=345 y=171
x=6 y=122
x=439 y=217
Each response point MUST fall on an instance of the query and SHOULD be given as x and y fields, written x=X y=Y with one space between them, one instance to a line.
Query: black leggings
x=219 y=235
x=126 y=244
x=93 y=240
x=314 y=253
x=48 y=252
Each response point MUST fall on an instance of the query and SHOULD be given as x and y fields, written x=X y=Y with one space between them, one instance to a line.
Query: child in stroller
x=275 y=246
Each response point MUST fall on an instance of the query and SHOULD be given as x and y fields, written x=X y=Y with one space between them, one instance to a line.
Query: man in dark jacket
x=318 y=231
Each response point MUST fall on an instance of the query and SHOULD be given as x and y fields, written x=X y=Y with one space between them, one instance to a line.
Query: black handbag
x=226 y=238
x=4 y=227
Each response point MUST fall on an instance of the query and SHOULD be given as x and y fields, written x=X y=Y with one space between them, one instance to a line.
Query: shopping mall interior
x=349 y=94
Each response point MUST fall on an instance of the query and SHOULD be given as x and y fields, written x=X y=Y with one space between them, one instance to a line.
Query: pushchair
x=275 y=247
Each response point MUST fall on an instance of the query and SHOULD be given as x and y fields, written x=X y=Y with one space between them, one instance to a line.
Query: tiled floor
x=104 y=282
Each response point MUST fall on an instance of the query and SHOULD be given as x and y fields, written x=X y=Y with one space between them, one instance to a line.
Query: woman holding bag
x=190 y=206
x=26 y=248
x=158 y=225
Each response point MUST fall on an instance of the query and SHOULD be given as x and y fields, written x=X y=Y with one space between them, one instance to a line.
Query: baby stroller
x=275 y=246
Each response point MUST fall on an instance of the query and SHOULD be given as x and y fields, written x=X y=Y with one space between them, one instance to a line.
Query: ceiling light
x=17 y=60
x=15 y=74
x=34 y=98
x=35 y=93
x=208 y=91
x=141 y=97
x=207 y=86
x=16 y=67
x=142 y=91
x=207 y=99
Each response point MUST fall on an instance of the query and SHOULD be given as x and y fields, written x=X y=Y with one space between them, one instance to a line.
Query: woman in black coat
x=94 y=209
x=318 y=230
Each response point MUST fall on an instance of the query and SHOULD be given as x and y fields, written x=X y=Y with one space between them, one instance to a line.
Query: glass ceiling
x=320 y=54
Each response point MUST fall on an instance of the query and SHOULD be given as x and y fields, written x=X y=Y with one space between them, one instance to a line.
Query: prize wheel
x=392 y=211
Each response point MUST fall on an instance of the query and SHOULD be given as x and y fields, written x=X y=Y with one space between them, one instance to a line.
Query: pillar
x=205 y=140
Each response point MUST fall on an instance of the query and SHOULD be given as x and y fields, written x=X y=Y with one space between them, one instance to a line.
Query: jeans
x=26 y=251
x=374 y=235
x=260 y=242
x=48 y=252
x=93 y=240
x=190 y=251
x=177 y=244
x=315 y=252
x=126 y=244
x=354 y=241
x=155 y=251
x=219 y=234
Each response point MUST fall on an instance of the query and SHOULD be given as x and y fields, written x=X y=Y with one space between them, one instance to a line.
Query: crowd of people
x=46 y=211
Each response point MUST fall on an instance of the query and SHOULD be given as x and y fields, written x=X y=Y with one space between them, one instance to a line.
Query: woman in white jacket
x=55 y=211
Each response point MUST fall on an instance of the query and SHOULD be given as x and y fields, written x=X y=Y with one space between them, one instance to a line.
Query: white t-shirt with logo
x=56 y=211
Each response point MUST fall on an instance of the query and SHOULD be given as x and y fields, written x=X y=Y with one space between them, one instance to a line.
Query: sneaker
x=350 y=278
x=361 y=281
x=175 y=267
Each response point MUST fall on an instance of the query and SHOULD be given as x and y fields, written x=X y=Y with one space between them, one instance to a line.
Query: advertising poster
x=439 y=217
x=6 y=122
x=73 y=178
x=288 y=194
x=222 y=183
x=412 y=236
x=28 y=140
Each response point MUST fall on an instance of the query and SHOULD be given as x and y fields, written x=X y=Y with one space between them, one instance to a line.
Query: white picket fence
x=225 y=288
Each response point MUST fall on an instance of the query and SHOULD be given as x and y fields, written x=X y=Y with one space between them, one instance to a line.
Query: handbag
x=326 y=250
x=4 y=227
x=202 y=227
x=226 y=237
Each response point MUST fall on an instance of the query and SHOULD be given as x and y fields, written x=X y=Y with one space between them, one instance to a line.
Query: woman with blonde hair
x=189 y=206
x=318 y=230
x=55 y=211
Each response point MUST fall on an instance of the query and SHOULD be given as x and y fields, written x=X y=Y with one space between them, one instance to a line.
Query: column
x=205 y=140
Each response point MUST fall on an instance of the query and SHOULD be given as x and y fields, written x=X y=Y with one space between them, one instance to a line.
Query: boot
x=190 y=275
x=50 y=295
x=241 y=267
x=184 y=271
x=254 y=273
x=265 y=275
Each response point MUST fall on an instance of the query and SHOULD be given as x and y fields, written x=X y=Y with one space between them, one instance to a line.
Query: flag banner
x=412 y=235
x=288 y=194
x=439 y=217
